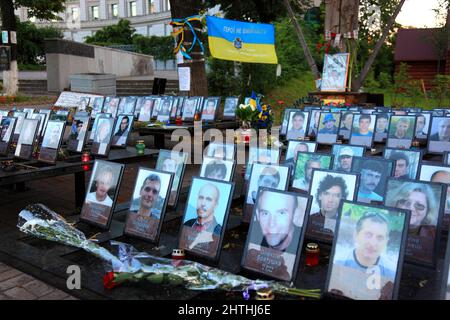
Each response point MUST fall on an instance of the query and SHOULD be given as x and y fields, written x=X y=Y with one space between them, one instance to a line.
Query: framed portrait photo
x=97 y=106
x=175 y=105
x=189 y=109
x=27 y=138
x=363 y=129
x=148 y=204
x=103 y=188
x=446 y=158
x=306 y=162
x=127 y=106
x=205 y=217
x=346 y=124
x=284 y=123
x=95 y=124
x=313 y=126
x=374 y=172
x=262 y=155
x=156 y=107
x=439 y=174
x=439 y=138
x=344 y=154
x=406 y=162
x=426 y=202
x=174 y=162
x=335 y=71
x=423 y=120
x=401 y=131
x=328 y=188
x=264 y=175
x=112 y=104
x=367 y=256
x=78 y=133
x=122 y=130
x=294 y=147
x=42 y=122
x=7 y=125
x=328 y=127
x=52 y=141
x=20 y=116
x=210 y=108
x=102 y=137
x=297 y=125
x=220 y=150
x=83 y=103
x=165 y=109
x=229 y=108
x=217 y=169
x=381 y=127
x=145 y=109
x=276 y=234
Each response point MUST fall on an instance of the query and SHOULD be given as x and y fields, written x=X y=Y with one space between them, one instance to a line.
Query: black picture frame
x=445 y=286
x=120 y=169
x=312 y=231
x=114 y=141
x=285 y=120
x=97 y=106
x=97 y=149
x=25 y=150
x=248 y=207
x=4 y=144
x=233 y=101
x=95 y=124
x=304 y=127
x=216 y=101
x=227 y=163
x=317 y=155
x=192 y=103
x=20 y=116
x=249 y=163
x=301 y=236
x=145 y=101
x=412 y=258
x=215 y=257
x=112 y=109
x=128 y=107
x=403 y=237
x=176 y=187
x=423 y=135
x=431 y=142
x=344 y=132
x=127 y=230
x=381 y=136
x=323 y=136
x=225 y=146
x=394 y=150
x=74 y=144
x=49 y=154
x=156 y=107
x=337 y=147
x=368 y=143
x=174 y=110
x=405 y=143
x=164 y=115
x=42 y=122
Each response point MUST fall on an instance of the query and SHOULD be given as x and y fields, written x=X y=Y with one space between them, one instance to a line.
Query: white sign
x=72 y=99
x=184 y=78
x=13 y=37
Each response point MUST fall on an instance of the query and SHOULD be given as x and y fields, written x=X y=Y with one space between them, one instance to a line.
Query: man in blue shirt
x=371 y=173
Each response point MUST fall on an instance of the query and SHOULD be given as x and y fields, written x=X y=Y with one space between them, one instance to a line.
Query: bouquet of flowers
x=254 y=114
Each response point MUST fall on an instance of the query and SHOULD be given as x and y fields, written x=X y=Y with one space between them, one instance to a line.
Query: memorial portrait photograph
x=102 y=192
x=363 y=130
x=28 y=132
x=53 y=134
x=210 y=106
x=297 y=125
x=189 y=109
x=381 y=127
x=367 y=256
x=220 y=150
x=112 y=105
x=122 y=130
x=145 y=109
x=148 y=204
x=42 y=122
x=174 y=162
x=95 y=124
x=97 y=106
x=439 y=138
x=276 y=233
x=335 y=71
x=128 y=107
x=445 y=291
x=166 y=107
x=229 y=109
x=313 y=126
x=284 y=123
x=422 y=125
x=20 y=116
x=294 y=147
x=346 y=124
x=102 y=138
x=217 y=169
x=78 y=133
x=205 y=217
x=425 y=200
x=7 y=128
x=156 y=107
x=306 y=162
x=401 y=131
x=262 y=155
x=328 y=188
x=343 y=156
x=329 y=123
x=406 y=162
x=373 y=177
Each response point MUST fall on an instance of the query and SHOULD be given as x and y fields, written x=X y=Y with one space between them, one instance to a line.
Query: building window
x=133 y=8
x=94 y=13
x=75 y=13
x=151 y=6
x=114 y=10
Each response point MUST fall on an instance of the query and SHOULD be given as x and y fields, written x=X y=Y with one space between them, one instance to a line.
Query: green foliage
x=120 y=33
x=30 y=42
x=161 y=48
x=41 y=9
x=440 y=89
x=303 y=158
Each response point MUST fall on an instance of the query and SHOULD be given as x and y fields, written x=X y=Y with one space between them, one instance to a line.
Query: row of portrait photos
x=162 y=108
x=397 y=128
x=372 y=232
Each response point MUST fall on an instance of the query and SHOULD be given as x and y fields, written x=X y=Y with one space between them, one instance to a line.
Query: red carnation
x=108 y=280
x=281 y=102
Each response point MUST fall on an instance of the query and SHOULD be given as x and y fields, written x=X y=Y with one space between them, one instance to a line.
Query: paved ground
x=42 y=75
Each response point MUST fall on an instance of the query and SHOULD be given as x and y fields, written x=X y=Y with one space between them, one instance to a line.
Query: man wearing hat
x=345 y=159
x=329 y=123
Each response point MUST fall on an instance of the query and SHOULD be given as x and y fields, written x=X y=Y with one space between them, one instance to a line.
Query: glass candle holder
x=178 y=256
x=178 y=121
x=264 y=294
x=312 y=254
x=85 y=157
x=140 y=147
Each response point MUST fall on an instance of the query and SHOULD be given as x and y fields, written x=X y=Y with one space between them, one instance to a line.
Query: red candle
x=85 y=157
x=312 y=254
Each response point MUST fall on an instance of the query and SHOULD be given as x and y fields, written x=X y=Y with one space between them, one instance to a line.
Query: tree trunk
x=11 y=77
x=182 y=9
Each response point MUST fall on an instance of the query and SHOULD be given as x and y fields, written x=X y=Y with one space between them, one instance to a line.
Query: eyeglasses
x=408 y=203
x=153 y=190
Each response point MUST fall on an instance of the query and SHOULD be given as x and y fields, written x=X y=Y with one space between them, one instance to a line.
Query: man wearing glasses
x=145 y=211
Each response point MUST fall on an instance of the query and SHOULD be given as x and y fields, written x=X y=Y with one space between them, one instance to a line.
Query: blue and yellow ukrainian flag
x=241 y=41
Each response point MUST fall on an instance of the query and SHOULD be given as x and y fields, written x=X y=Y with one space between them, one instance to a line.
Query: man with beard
x=401 y=129
x=345 y=159
x=371 y=173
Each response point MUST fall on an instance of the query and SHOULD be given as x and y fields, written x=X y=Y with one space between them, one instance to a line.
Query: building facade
x=83 y=18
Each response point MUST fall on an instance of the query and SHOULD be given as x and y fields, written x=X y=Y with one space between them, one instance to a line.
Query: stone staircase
x=33 y=87
x=142 y=87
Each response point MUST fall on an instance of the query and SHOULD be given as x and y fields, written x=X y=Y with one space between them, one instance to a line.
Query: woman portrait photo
x=102 y=137
x=145 y=109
